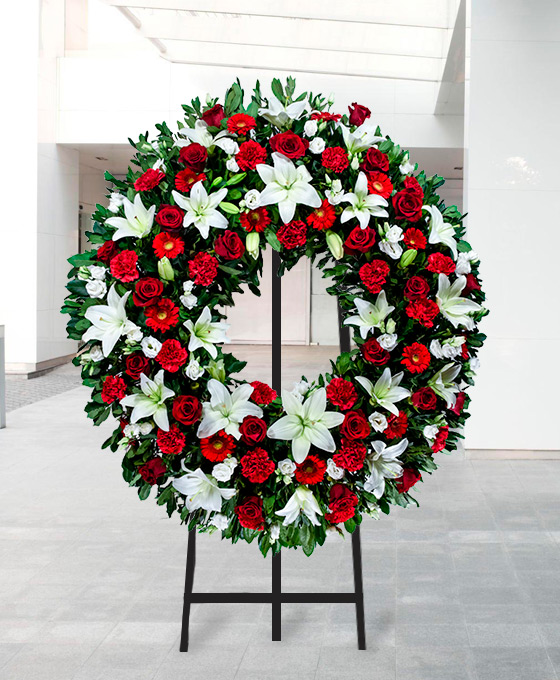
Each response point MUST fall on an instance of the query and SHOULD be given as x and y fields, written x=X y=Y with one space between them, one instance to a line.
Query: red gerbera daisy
x=257 y=219
x=262 y=393
x=380 y=184
x=396 y=425
x=323 y=218
x=326 y=115
x=241 y=123
x=162 y=315
x=171 y=442
x=169 y=246
x=187 y=178
x=311 y=471
x=416 y=357
x=150 y=179
x=414 y=238
x=217 y=447
x=256 y=465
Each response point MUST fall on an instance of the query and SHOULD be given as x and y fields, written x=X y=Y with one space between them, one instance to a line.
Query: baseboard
x=29 y=371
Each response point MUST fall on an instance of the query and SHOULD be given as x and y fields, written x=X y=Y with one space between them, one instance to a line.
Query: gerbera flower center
x=162 y=315
x=168 y=245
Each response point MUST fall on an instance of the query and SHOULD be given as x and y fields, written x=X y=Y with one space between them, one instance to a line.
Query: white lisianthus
x=406 y=167
x=274 y=533
x=219 y=521
x=132 y=431
x=97 y=272
x=448 y=349
x=108 y=322
x=370 y=316
x=386 y=391
x=388 y=341
x=474 y=364
x=302 y=501
x=150 y=346
x=463 y=265
x=133 y=332
x=201 y=208
x=335 y=194
x=115 y=202
x=300 y=389
x=310 y=128
x=96 y=353
x=363 y=205
x=222 y=472
x=393 y=250
x=287 y=467
x=317 y=145
x=430 y=432
x=206 y=333
x=452 y=305
x=378 y=421
x=383 y=462
x=188 y=299
x=252 y=199
x=231 y=165
x=201 y=491
x=333 y=471
x=229 y=146
x=225 y=410
x=150 y=402
x=146 y=428
x=137 y=221
x=96 y=288
x=194 y=370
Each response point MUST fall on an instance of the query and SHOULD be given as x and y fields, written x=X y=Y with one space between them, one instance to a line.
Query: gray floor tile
x=510 y=663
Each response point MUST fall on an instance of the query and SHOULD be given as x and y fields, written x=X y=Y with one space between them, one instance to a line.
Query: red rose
x=170 y=217
x=253 y=430
x=250 y=155
x=171 y=442
x=250 y=513
x=123 y=266
x=214 y=116
x=414 y=238
x=257 y=220
x=114 y=389
x=341 y=393
x=441 y=439
x=203 y=269
x=166 y=245
x=161 y=315
x=194 y=156
x=407 y=205
x=289 y=144
x=355 y=425
x=107 y=251
x=358 y=113
x=323 y=217
x=374 y=275
x=147 y=291
x=342 y=504
x=335 y=158
x=374 y=353
x=262 y=393
x=152 y=470
x=229 y=245
x=416 y=287
x=411 y=184
x=440 y=264
x=396 y=425
x=256 y=465
x=218 y=446
x=351 y=455
x=416 y=357
x=293 y=234
x=424 y=311
x=424 y=399
x=311 y=470
x=378 y=183
x=241 y=123
x=360 y=239
x=472 y=284
x=136 y=364
x=172 y=356
x=457 y=408
x=375 y=160
x=186 y=409
x=150 y=179
x=409 y=478
x=187 y=178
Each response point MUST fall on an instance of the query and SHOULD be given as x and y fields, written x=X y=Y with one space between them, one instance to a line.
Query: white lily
x=200 y=135
x=225 y=410
x=443 y=383
x=302 y=501
x=200 y=208
x=151 y=402
x=383 y=463
x=386 y=391
x=286 y=185
x=455 y=308
x=363 y=206
x=206 y=333
x=440 y=231
x=362 y=138
x=108 y=321
x=138 y=221
x=370 y=315
x=306 y=423
x=280 y=115
x=202 y=491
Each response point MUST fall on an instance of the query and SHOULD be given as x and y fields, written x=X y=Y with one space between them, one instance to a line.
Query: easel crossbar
x=268 y=598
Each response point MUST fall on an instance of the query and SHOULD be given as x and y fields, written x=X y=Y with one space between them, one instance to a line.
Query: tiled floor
x=467 y=587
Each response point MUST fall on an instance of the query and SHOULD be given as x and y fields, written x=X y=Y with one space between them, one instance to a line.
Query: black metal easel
x=276 y=597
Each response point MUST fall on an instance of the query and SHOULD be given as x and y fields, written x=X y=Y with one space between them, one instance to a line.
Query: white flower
x=151 y=402
x=225 y=410
x=306 y=424
x=151 y=347
x=131 y=431
x=394 y=234
x=200 y=208
x=201 y=135
x=252 y=199
x=146 y=428
x=206 y=333
x=474 y=364
x=159 y=165
x=386 y=391
x=133 y=332
x=96 y=353
x=302 y=501
x=301 y=388
x=388 y=341
x=363 y=206
x=393 y=250
x=137 y=221
x=189 y=300
x=455 y=308
x=286 y=185
x=222 y=472
x=430 y=432
x=443 y=383
x=201 y=491
x=463 y=265
x=115 y=202
x=229 y=146
x=220 y=521
x=280 y=115
x=96 y=288
x=383 y=463
x=287 y=467
x=108 y=321
x=231 y=165
x=317 y=145
x=335 y=194
x=310 y=128
x=361 y=139
x=441 y=232
x=406 y=166
x=274 y=533
x=449 y=349
x=333 y=471
x=97 y=272
x=370 y=315
x=378 y=421
x=194 y=370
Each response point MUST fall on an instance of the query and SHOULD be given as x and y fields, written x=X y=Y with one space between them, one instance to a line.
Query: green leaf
x=273 y=240
x=278 y=90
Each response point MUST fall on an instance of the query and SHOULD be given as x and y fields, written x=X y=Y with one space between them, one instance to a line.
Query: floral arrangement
x=186 y=229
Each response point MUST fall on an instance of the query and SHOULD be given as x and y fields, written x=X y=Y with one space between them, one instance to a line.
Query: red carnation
x=217 y=447
x=342 y=504
x=293 y=234
x=311 y=470
x=250 y=513
x=229 y=245
x=150 y=179
x=152 y=470
x=187 y=178
x=250 y=155
x=358 y=113
x=411 y=184
x=214 y=116
x=378 y=183
x=203 y=268
x=375 y=160
x=407 y=205
x=341 y=393
x=424 y=399
x=123 y=266
x=114 y=389
x=171 y=442
x=441 y=439
x=409 y=478
x=136 y=364
x=351 y=455
x=241 y=123
x=440 y=264
x=414 y=238
x=146 y=291
x=168 y=246
x=323 y=217
x=416 y=287
x=416 y=357
x=107 y=251
x=172 y=355
x=424 y=311
x=374 y=353
x=355 y=425
x=161 y=315
x=194 y=156
x=335 y=158
x=256 y=220
x=289 y=144
x=396 y=425
x=256 y=465
x=459 y=404
x=186 y=409
x=253 y=430
x=262 y=393
x=170 y=217
x=374 y=275
x=360 y=239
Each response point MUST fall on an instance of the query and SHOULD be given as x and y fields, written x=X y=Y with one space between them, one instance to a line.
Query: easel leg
x=189 y=578
x=359 y=587
x=276 y=597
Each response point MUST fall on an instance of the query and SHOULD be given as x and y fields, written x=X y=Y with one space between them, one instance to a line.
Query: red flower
x=409 y=478
x=441 y=439
x=114 y=389
x=253 y=430
x=335 y=158
x=171 y=442
x=172 y=356
x=186 y=409
x=194 y=156
x=136 y=364
x=351 y=455
x=411 y=184
x=107 y=251
x=217 y=447
x=170 y=217
x=250 y=513
x=262 y=393
x=396 y=426
x=407 y=205
x=414 y=238
x=293 y=234
x=416 y=357
x=360 y=239
x=374 y=275
x=256 y=219
x=214 y=116
x=241 y=123
x=459 y=404
x=229 y=245
x=169 y=246
x=123 y=266
x=326 y=115
x=358 y=113
x=355 y=425
x=187 y=178
x=152 y=470
x=440 y=264
x=341 y=393
x=375 y=160
x=256 y=465
x=289 y=144
x=161 y=315
x=311 y=470
x=250 y=154
x=322 y=218
x=424 y=311
x=424 y=399
x=203 y=268
x=472 y=284
x=150 y=179
x=342 y=504
x=374 y=353
x=378 y=183
x=146 y=291
x=416 y=287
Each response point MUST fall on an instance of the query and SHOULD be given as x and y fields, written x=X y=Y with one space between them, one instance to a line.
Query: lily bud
x=390 y=326
x=84 y=273
x=253 y=243
x=165 y=269
x=355 y=164
x=334 y=243
x=408 y=257
x=217 y=370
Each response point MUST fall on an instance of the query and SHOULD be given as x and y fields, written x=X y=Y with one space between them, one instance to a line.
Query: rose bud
x=165 y=270
x=253 y=243
x=335 y=245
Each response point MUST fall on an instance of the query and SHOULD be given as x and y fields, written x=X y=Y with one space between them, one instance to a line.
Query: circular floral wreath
x=180 y=236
